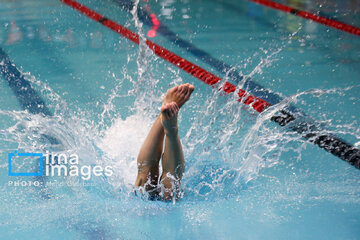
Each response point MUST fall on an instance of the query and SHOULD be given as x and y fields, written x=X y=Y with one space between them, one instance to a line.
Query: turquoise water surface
x=246 y=177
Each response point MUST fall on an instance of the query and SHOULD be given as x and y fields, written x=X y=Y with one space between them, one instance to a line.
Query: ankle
x=172 y=131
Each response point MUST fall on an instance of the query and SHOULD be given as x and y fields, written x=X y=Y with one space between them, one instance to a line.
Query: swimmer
x=172 y=157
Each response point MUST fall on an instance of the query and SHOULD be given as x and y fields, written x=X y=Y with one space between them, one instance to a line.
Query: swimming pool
x=246 y=177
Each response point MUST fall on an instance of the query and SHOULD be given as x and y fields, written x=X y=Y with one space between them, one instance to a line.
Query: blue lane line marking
x=25 y=94
x=30 y=101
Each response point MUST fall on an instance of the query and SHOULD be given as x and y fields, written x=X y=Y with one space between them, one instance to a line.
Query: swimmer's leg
x=149 y=157
x=151 y=150
x=173 y=162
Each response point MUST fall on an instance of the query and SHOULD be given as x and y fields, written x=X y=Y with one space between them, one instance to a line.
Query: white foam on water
x=122 y=142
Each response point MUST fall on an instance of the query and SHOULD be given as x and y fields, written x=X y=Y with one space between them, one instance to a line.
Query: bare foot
x=168 y=115
x=179 y=94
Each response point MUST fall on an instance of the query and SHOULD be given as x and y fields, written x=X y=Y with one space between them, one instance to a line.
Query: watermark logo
x=53 y=164
x=11 y=156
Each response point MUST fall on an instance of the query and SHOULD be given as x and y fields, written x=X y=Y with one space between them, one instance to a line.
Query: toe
x=187 y=96
x=173 y=109
x=174 y=89
x=170 y=111
x=191 y=87
x=177 y=108
x=185 y=90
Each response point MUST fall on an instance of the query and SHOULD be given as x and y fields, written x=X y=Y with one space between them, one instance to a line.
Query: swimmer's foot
x=169 y=112
x=179 y=94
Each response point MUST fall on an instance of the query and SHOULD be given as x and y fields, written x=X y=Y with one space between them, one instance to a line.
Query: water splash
x=227 y=145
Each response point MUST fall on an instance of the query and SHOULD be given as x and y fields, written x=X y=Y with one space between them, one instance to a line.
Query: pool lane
x=308 y=129
x=309 y=16
x=233 y=75
x=28 y=98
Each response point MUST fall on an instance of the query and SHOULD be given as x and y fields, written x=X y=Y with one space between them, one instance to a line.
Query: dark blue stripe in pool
x=25 y=94
x=29 y=100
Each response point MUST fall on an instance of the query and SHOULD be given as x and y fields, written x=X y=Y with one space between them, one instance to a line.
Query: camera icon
x=24 y=155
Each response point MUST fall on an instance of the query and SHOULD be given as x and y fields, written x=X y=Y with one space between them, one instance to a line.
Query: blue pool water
x=245 y=178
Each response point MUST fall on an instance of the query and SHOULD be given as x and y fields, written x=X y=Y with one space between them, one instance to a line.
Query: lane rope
x=233 y=75
x=316 y=18
x=330 y=143
x=209 y=78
